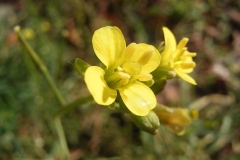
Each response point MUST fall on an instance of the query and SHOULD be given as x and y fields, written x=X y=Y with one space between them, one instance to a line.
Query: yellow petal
x=108 y=44
x=144 y=77
x=138 y=98
x=129 y=52
x=186 y=67
x=170 y=46
x=150 y=54
x=102 y=94
x=189 y=70
x=185 y=77
x=126 y=56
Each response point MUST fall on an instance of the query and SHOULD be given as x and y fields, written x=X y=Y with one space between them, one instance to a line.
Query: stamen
x=122 y=82
x=190 y=54
x=143 y=77
x=116 y=76
x=179 y=53
x=132 y=68
x=117 y=79
x=177 y=63
x=188 y=65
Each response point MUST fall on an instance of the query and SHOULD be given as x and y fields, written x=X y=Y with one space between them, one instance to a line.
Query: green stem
x=40 y=64
x=76 y=103
x=44 y=70
x=61 y=135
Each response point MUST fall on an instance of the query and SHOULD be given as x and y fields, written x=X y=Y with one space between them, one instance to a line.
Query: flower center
x=127 y=69
x=123 y=74
x=132 y=68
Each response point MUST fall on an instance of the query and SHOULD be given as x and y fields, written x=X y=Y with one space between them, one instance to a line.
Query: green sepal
x=80 y=65
x=158 y=86
x=161 y=47
x=149 y=83
x=149 y=123
x=162 y=73
x=160 y=77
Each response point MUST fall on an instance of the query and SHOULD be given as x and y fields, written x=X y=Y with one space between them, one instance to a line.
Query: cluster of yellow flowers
x=130 y=71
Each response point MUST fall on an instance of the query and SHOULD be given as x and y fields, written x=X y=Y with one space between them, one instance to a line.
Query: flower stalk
x=44 y=70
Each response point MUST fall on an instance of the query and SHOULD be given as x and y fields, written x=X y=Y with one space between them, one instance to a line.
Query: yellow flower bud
x=175 y=119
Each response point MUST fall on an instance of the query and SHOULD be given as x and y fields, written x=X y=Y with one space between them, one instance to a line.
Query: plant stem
x=61 y=135
x=76 y=103
x=40 y=64
x=44 y=70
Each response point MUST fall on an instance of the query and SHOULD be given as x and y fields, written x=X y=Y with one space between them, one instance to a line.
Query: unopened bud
x=149 y=123
x=80 y=65
x=175 y=119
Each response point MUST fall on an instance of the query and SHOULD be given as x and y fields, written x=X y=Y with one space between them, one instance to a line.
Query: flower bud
x=149 y=123
x=158 y=85
x=175 y=119
x=80 y=65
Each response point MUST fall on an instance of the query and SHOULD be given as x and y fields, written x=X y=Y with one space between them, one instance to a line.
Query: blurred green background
x=60 y=31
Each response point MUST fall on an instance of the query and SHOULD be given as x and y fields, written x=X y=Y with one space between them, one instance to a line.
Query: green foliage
x=63 y=32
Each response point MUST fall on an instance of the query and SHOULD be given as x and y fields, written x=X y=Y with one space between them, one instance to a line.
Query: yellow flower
x=176 y=58
x=175 y=119
x=125 y=68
